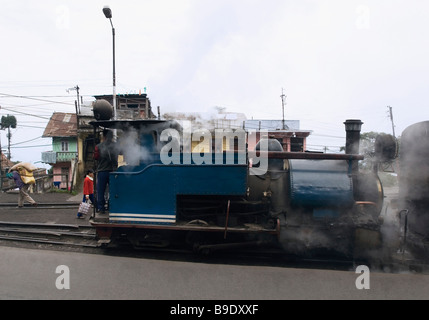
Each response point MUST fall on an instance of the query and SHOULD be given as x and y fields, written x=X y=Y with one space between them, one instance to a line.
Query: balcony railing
x=55 y=157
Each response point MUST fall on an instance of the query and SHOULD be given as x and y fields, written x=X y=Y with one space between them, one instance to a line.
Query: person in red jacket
x=88 y=189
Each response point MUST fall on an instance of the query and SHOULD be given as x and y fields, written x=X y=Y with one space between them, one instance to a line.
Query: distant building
x=229 y=120
x=287 y=132
x=5 y=165
x=5 y=162
x=62 y=128
x=130 y=106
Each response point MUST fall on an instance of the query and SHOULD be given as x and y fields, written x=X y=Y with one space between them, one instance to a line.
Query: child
x=88 y=189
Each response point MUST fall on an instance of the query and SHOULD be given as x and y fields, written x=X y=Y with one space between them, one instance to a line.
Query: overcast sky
x=335 y=59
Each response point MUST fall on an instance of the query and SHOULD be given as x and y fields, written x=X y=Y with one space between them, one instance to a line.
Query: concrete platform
x=49 y=210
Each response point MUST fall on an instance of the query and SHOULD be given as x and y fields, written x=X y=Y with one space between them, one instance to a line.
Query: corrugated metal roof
x=61 y=125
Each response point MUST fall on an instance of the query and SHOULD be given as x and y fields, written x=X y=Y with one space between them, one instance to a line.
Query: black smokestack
x=353 y=128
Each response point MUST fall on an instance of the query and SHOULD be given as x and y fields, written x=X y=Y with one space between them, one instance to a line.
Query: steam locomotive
x=165 y=194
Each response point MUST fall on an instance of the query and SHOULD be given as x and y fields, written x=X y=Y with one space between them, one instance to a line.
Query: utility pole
x=283 y=108
x=391 y=119
x=9 y=136
x=78 y=102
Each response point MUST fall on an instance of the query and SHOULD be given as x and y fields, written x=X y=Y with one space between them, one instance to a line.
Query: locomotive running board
x=248 y=228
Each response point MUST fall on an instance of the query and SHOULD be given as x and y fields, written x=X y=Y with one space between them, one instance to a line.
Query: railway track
x=44 y=205
x=46 y=233
x=76 y=237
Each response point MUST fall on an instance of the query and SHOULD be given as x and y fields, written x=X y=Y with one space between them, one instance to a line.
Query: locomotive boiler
x=413 y=198
x=166 y=194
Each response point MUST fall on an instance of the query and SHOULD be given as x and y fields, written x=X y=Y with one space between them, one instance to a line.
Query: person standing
x=23 y=189
x=88 y=189
x=106 y=154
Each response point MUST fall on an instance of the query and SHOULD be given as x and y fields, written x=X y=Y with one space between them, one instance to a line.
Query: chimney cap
x=353 y=125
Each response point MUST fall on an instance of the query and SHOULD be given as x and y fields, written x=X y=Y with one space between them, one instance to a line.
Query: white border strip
x=137 y=215
x=158 y=218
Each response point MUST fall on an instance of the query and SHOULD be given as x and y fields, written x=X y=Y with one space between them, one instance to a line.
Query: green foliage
x=8 y=122
x=367 y=148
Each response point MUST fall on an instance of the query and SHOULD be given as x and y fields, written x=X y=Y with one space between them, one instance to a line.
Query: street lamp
x=108 y=13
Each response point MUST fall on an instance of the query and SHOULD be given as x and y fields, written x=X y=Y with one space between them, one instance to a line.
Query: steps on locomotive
x=101 y=217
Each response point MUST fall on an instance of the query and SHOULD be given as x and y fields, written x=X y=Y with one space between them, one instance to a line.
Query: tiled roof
x=61 y=125
x=5 y=162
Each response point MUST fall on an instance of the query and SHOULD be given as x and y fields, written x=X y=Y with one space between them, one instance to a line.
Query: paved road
x=33 y=274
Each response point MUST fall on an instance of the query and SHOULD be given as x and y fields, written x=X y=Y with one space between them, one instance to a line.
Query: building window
x=64 y=146
x=296 y=144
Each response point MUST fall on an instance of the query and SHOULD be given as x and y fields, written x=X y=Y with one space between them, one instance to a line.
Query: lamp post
x=108 y=14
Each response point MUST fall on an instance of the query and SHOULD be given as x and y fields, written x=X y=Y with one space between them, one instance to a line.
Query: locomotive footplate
x=104 y=230
x=192 y=226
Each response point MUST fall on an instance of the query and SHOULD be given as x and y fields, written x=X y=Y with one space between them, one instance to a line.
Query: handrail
x=174 y=165
x=305 y=155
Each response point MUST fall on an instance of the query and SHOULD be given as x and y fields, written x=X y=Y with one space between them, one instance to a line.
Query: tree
x=367 y=142
x=386 y=166
x=8 y=122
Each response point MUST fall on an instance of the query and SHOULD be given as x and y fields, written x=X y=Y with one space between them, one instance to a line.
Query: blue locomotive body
x=148 y=193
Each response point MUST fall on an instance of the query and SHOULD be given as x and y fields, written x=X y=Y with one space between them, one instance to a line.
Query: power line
x=26 y=126
x=26 y=141
x=27 y=114
x=37 y=99
x=37 y=146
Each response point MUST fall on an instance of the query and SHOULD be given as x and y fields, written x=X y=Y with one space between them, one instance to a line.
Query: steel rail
x=31 y=232
x=47 y=241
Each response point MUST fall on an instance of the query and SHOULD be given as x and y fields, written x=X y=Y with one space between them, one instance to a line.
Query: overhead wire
x=11 y=109
x=37 y=99
x=324 y=125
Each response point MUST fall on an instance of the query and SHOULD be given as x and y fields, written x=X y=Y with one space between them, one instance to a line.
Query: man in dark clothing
x=23 y=189
x=106 y=154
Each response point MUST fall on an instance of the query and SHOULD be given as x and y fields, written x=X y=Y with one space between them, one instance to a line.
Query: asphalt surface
x=33 y=274
x=38 y=274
